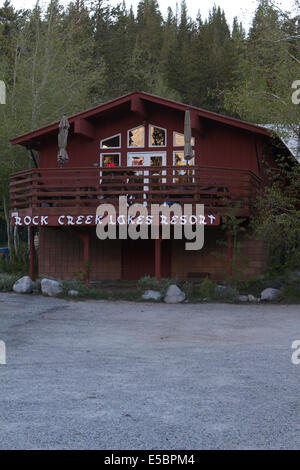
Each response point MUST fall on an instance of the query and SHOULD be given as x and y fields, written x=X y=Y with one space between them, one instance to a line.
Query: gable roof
x=98 y=110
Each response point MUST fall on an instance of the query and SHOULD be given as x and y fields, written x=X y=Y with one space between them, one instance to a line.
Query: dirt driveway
x=120 y=375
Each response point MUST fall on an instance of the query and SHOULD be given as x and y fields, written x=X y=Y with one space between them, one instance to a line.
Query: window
x=184 y=175
x=179 y=159
x=110 y=159
x=178 y=140
x=136 y=137
x=112 y=142
x=157 y=136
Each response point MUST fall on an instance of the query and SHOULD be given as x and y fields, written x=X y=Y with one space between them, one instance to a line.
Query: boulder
x=151 y=295
x=270 y=294
x=251 y=298
x=24 y=285
x=242 y=298
x=174 y=295
x=73 y=293
x=51 y=287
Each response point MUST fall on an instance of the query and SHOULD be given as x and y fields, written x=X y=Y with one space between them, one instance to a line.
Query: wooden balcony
x=54 y=191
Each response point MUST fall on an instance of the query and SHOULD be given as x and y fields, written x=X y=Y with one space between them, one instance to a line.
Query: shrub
x=7 y=281
x=16 y=264
x=207 y=288
x=291 y=291
x=148 y=282
x=225 y=293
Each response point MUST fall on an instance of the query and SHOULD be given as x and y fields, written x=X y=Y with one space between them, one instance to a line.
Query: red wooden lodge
x=104 y=144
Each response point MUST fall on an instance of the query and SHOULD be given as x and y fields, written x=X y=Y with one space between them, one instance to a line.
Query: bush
x=291 y=291
x=207 y=288
x=7 y=281
x=16 y=264
x=147 y=282
x=225 y=293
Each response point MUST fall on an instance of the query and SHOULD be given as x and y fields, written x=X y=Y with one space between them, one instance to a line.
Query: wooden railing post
x=31 y=252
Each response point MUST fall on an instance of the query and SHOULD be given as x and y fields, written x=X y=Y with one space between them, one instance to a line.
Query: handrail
x=86 y=186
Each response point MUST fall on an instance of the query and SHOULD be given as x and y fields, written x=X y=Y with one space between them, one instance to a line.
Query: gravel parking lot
x=120 y=375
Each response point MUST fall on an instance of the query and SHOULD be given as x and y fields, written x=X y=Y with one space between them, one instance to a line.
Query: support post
x=31 y=253
x=158 y=259
x=229 y=256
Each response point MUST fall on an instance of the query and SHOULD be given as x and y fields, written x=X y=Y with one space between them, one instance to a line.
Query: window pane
x=180 y=160
x=156 y=161
x=110 y=160
x=137 y=161
x=136 y=137
x=179 y=139
x=111 y=142
x=157 y=136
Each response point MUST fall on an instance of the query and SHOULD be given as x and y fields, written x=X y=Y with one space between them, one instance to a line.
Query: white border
x=176 y=132
x=111 y=137
x=149 y=136
x=151 y=153
x=109 y=153
x=132 y=129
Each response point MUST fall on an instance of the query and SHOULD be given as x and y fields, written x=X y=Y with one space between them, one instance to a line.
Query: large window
x=157 y=136
x=136 y=137
x=112 y=142
x=183 y=175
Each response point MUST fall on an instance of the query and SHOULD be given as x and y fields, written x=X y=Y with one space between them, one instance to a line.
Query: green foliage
x=261 y=92
x=277 y=219
x=147 y=282
x=291 y=291
x=225 y=293
x=253 y=286
x=207 y=288
x=84 y=273
x=7 y=281
x=16 y=264
x=87 y=292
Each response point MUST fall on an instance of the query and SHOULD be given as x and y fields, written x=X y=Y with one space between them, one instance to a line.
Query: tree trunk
x=16 y=240
x=7 y=220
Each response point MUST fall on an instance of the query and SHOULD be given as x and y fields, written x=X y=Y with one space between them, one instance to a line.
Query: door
x=148 y=159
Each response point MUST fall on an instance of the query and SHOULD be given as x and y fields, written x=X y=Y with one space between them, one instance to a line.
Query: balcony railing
x=216 y=188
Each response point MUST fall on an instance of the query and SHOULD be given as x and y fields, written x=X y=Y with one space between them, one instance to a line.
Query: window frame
x=178 y=146
x=111 y=137
x=136 y=146
x=103 y=154
x=181 y=151
x=149 y=137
